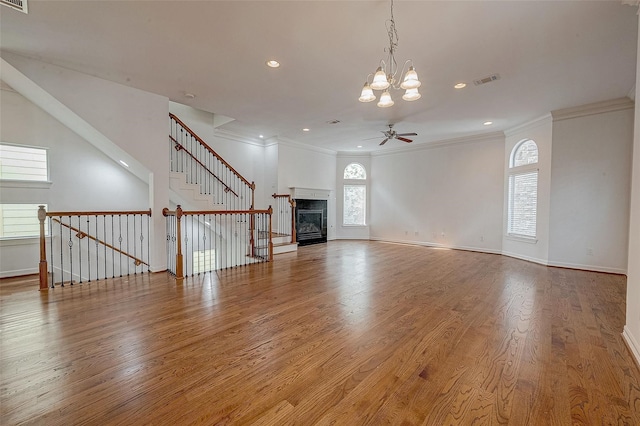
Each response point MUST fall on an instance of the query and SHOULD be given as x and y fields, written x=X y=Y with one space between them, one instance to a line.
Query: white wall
x=448 y=194
x=540 y=131
x=133 y=120
x=590 y=186
x=632 y=327
x=303 y=167
x=82 y=177
x=352 y=232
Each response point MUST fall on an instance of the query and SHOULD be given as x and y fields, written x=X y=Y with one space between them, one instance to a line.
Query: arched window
x=355 y=195
x=523 y=190
x=355 y=171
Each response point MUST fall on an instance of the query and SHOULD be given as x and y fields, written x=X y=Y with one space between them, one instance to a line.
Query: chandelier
x=385 y=76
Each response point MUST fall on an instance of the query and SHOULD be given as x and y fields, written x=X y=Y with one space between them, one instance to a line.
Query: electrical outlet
x=481 y=237
x=589 y=251
x=416 y=233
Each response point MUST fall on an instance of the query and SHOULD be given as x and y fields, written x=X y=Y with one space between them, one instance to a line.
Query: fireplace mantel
x=309 y=193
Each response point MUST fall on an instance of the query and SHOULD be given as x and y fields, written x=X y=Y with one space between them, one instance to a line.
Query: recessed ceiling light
x=124 y=164
x=261 y=136
x=305 y=130
x=359 y=146
x=488 y=123
x=273 y=63
x=460 y=85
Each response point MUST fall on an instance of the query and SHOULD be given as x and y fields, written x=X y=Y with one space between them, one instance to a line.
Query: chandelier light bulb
x=385 y=100
x=411 y=80
x=367 y=94
x=380 y=81
x=411 y=95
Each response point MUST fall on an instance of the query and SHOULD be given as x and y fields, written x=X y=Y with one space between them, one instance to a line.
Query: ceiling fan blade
x=407 y=134
x=384 y=141
x=404 y=139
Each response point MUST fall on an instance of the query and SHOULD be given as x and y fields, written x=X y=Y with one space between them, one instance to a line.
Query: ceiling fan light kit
x=385 y=76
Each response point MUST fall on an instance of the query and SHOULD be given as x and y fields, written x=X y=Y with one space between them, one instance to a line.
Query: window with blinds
x=23 y=163
x=19 y=221
x=523 y=190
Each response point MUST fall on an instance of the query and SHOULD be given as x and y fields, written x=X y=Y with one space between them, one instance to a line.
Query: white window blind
x=23 y=163
x=523 y=204
x=19 y=220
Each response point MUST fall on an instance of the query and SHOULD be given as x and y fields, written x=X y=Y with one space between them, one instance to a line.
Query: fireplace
x=311 y=221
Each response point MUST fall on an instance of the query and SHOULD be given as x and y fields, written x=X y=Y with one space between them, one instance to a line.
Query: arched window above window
x=354 y=171
x=526 y=152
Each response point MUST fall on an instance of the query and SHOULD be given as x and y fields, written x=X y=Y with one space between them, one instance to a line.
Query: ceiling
x=549 y=55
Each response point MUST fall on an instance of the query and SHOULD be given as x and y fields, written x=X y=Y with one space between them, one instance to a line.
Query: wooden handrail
x=99 y=213
x=180 y=147
x=203 y=143
x=167 y=212
x=81 y=234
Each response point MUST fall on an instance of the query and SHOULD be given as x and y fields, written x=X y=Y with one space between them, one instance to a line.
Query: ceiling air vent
x=20 y=5
x=485 y=80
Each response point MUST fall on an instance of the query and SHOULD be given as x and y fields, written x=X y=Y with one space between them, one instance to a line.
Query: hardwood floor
x=347 y=333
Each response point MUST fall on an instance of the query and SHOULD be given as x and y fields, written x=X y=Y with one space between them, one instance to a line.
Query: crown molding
x=225 y=134
x=537 y=122
x=485 y=137
x=593 y=109
x=293 y=144
x=344 y=154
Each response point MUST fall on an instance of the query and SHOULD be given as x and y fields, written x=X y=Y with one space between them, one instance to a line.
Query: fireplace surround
x=311 y=214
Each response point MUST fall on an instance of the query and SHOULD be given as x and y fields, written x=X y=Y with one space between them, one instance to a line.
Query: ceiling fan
x=391 y=134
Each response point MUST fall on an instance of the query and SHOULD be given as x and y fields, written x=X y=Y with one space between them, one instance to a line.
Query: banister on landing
x=78 y=246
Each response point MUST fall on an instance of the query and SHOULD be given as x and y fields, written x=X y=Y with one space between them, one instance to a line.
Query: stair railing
x=86 y=246
x=205 y=241
x=285 y=216
x=201 y=165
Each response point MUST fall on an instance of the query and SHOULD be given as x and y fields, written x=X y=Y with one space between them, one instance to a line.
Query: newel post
x=270 y=235
x=42 y=216
x=293 y=221
x=179 y=263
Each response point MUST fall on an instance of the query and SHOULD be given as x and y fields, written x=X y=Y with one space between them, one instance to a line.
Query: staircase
x=202 y=180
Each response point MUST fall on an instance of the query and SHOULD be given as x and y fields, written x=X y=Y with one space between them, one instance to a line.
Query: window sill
x=354 y=226
x=26 y=184
x=528 y=240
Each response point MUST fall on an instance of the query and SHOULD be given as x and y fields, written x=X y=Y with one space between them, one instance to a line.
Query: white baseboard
x=632 y=343
x=437 y=245
x=18 y=272
x=588 y=267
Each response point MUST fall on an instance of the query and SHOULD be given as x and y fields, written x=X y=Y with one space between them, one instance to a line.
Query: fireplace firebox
x=311 y=221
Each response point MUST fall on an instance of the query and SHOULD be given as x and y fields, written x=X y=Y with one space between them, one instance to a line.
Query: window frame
x=355 y=182
x=35 y=235
x=28 y=182
x=513 y=173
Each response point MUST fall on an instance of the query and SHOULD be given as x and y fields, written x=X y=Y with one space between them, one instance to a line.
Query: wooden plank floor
x=346 y=333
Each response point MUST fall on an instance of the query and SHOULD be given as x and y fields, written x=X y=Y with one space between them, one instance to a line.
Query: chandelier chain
x=393 y=42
